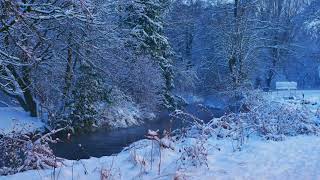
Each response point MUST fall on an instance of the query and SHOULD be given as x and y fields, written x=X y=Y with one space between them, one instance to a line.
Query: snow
x=121 y=115
x=15 y=118
x=286 y=85
x=297 y=93
x=311 y=97
x=313 y=27
x=315 y=24
x=295 y=158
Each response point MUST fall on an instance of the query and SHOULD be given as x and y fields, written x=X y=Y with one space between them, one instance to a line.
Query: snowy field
x=313 y=95
x=15 y=118
x=310 y=97
x=295 y=158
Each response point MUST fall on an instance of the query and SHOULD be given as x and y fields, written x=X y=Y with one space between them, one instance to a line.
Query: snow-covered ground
x=311 y=98
x=308 y=94
x=15 y=118
x=295 y=158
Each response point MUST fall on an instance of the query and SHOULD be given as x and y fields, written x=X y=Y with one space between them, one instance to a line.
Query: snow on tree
x=88 y=94
x=313 y=18
x=29 y=32
x=144 y=21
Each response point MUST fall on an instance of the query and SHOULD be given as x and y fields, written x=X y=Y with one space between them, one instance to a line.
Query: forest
x=159 y=89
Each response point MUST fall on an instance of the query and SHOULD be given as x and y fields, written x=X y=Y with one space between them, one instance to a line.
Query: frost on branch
x=272 y=120
x=259 y=115
x=20 y=152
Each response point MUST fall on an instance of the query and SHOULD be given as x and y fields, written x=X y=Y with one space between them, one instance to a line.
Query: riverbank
x=273 y=138
x=294 y=158
x=16 y=119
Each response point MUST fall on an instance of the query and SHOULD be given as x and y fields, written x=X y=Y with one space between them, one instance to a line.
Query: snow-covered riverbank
x=207 y=152
x=294 y=158
x=16 y=119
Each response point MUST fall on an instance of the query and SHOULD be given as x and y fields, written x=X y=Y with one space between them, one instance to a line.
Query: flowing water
x=107 y=142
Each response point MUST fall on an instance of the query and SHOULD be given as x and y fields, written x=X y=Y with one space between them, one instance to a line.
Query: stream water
x=107 y=142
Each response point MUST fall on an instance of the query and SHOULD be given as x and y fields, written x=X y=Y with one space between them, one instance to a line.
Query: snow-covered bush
x=281 y=117
x=20 y=152
x=195 y=154
x=259 y=115
x=267 y=118
x=122 y=112
x=110 y=172
x=194 y=127
x=148 y=155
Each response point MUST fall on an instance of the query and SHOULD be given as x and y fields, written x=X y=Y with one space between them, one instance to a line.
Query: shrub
x=20 y=152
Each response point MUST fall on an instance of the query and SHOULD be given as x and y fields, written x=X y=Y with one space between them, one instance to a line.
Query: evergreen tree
x=144 y=19
x=89 y=91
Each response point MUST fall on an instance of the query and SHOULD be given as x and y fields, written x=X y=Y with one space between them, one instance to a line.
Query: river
x=105 y=142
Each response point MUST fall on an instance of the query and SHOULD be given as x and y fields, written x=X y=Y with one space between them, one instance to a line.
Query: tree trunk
x=269 y=78
x=27 y=102
x=31 y=103
x=69 y=72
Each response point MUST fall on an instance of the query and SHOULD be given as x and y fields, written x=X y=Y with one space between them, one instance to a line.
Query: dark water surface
x=107 y=142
